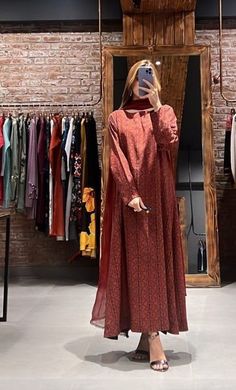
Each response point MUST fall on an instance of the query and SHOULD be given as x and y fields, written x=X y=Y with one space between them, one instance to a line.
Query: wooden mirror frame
x=212 y=277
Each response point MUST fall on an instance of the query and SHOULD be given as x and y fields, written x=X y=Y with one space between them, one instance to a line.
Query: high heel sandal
x=162 y=362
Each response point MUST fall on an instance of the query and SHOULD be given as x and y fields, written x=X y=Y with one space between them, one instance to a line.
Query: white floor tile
x=48 y=343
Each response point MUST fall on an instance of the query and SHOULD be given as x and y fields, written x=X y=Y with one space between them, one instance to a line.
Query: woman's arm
x=167 y=128
x=119 y=165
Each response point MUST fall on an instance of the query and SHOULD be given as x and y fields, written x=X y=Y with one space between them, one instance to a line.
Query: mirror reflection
x=188 y=160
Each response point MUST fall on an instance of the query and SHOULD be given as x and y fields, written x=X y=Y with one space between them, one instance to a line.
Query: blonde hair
x=127 y=93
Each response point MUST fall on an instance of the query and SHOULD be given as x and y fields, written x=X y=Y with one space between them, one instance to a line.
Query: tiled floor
x=48 y=343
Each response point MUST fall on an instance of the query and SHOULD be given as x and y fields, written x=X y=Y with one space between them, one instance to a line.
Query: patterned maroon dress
x=142 y=283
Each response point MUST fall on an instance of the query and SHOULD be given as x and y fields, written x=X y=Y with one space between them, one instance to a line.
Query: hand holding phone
x=147 y=208
x=144 y=73
x=147 y=86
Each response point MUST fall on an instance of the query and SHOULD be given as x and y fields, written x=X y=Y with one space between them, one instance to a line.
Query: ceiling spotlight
x=136 y=3
x=158 y=63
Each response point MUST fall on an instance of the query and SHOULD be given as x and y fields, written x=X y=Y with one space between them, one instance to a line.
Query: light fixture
x=158 y=63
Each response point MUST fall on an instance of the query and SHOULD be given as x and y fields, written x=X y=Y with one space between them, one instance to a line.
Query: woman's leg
x=141 y=353
x=143 y=344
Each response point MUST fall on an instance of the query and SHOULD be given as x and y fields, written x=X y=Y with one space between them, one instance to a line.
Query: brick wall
x=226 y=190
x=64 y=68
x=56 y=68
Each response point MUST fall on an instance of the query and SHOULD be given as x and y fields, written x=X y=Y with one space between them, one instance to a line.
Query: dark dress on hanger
x=41 y=151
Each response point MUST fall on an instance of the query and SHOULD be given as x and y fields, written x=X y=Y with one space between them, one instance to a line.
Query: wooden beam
x=152 y=6
x=156 y=29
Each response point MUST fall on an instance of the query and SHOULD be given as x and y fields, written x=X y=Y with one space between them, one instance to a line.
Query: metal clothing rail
x=42 y=105
x=30 y=104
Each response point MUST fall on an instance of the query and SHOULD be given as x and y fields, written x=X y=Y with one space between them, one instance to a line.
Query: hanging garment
x=50 y=200
x=6 y=163
x=41 y=153
x=202 y=256
x=88 y=233
x=94 y=173
x=15 y=164
x=83 y=154
x=2 y=119
x=31 y=190
x=233 y=148
x=64 y=176
x=55 y=161
x=91 y=193
x=70 y=179
x=65 y=131
x=46 y=173
x=93 y=178
x=144 y=284
x=76 y=195
x=22 y=164
x=227 y=144
x=68 y=143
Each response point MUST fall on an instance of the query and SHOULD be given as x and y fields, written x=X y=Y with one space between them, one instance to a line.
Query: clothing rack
x=39 y=133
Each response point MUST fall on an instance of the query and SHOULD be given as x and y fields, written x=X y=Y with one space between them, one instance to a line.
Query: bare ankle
x=153 y=335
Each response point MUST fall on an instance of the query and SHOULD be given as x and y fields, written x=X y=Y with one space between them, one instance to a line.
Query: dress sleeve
x=167 y=128
x=119 y=165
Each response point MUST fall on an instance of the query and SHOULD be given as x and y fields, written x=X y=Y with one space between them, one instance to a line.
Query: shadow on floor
x=118 y=360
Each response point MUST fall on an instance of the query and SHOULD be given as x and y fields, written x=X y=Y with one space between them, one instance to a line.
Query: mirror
x=185 y=79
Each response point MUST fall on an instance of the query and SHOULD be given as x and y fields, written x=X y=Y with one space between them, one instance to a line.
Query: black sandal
x=143 y=356
x=163 y=362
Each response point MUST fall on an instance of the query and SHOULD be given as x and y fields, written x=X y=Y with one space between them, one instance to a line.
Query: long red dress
x=142 y=283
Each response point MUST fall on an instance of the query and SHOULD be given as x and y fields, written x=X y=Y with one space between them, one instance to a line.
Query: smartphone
x=144 y=72
x=147 y=209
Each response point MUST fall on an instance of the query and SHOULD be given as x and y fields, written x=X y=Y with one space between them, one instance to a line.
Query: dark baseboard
x=75 y=273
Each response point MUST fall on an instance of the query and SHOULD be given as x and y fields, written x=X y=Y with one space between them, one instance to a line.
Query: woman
x=142 y=283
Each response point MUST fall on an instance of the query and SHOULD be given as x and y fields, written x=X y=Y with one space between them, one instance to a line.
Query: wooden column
x=176 y=28
x=160 y=23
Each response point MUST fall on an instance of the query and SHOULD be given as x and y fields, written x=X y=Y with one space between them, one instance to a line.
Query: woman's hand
x=135 y=204
x=152 y=95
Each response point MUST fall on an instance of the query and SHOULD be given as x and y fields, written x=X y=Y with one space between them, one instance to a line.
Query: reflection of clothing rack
x=202 y=255
x=227 y=146
x=192 y=226
x=233 y=148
